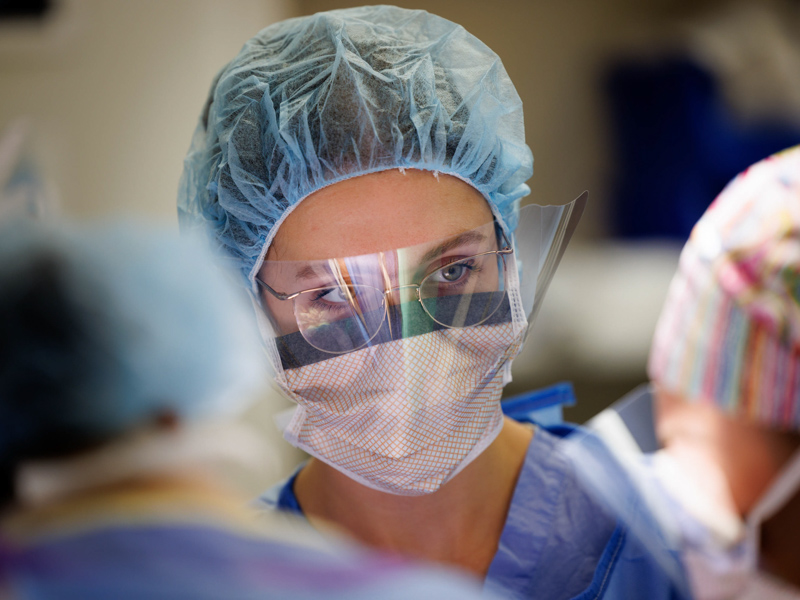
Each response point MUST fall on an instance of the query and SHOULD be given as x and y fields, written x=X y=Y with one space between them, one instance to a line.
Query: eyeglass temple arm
x=278 y=295
x=506 y=249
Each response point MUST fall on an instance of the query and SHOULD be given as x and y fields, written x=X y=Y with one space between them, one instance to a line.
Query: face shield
x=318 y=309
x=392 y=356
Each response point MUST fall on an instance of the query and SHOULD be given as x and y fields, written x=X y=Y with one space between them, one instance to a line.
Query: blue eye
x=456 y=273
x=333 y=295
x=453 y=273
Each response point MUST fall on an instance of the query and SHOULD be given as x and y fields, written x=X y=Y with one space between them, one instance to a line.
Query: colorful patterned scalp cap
x=315 y=100
x=730 y=328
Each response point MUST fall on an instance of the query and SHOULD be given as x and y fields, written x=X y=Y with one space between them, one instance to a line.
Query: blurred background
x=651 y=106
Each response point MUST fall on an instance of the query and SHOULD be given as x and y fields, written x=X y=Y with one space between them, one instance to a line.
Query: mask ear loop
x=514 y=291
x=267 y=335
x=519 y=319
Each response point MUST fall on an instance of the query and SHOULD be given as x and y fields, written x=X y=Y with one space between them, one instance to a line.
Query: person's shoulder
x=280 y=561
x=646 y=556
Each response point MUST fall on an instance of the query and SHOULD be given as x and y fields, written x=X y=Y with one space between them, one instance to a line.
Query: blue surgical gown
x=559 y=540
x=194 y=547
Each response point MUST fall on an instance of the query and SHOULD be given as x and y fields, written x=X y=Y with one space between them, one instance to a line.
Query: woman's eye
x=333 y=295
x=457 y=272
x=453 y=272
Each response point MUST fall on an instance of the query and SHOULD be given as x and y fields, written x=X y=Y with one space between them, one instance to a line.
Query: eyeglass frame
x=502 y=252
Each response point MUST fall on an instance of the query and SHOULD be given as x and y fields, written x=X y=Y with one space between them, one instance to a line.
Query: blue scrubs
x=559 y=542
x=194 y=547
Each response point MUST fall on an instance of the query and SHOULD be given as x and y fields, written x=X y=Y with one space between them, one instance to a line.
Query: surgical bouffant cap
x=315 y=100
x=104 y=329
x=729 y=332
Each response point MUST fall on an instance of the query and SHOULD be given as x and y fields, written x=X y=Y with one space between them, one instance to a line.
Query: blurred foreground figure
x=122 y=353
x=719 y=426
x=25 y=188
x=726 y=366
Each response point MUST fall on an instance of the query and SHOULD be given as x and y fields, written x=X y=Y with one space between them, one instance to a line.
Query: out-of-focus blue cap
x=314 y=100
x=105 y=328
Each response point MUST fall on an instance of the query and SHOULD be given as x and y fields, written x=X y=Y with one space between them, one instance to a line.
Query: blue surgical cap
x=315 y=100
x=105 y=328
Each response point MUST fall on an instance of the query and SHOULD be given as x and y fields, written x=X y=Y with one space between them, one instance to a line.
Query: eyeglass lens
x=462 y=293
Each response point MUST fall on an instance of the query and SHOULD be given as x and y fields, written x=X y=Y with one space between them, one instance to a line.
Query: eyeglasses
x=347 y=315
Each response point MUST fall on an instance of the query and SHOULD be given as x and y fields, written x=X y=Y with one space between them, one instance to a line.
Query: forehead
x=379 y=211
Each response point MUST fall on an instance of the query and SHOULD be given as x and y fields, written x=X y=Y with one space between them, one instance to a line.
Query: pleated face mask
x=397 y=359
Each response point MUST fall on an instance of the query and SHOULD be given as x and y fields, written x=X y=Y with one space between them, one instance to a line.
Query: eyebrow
x=464 y=238
x=309 y=272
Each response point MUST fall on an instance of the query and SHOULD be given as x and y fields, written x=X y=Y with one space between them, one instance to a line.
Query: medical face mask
x=397 y=359
x=722 y=571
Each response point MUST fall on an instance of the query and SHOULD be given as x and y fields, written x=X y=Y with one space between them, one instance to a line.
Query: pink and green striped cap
x=729 y=332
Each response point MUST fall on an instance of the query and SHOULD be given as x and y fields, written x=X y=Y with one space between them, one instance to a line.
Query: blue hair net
x=315 y=100
x=103 y=329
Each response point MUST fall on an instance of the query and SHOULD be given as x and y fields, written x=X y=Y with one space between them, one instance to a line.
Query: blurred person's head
x=726 y=355
x=108 y=329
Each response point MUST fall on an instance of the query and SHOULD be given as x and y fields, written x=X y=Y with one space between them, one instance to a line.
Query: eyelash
x=319 y=296
x=470 y=265
x=445 y=261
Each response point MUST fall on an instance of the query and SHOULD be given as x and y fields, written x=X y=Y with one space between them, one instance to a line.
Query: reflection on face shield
x=346 y=303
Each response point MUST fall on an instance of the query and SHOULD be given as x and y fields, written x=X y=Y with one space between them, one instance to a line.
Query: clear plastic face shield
x=340 y=305
x=319 y=309
x=397 y=359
